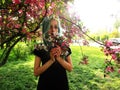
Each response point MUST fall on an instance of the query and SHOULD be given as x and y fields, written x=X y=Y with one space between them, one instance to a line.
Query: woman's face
x=53 y=28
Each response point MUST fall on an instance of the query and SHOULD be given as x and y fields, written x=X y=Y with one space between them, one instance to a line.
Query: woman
x=49 y=65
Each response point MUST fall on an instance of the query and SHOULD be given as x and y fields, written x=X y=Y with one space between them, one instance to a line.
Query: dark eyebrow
x=54 y=25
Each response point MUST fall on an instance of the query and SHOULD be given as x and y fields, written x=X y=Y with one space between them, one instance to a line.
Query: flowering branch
x=113 y=58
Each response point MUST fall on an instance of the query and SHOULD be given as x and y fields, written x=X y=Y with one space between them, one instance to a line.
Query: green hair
x=46 y=26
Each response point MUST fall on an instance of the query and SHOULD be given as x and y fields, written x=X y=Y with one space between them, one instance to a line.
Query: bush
x=20 y=51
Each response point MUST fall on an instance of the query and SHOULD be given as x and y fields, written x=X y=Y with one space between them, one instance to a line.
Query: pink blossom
x=119 y=71
x=40 y=4
x=64 y=44
x=108 y=43
x=16 y=1
x=106 y=52
x=111 y=51
x=10 y=25
x=1 y=19
x=24 y=30
x=53 y=4
x=117 y=50
x=109 y=69
x=20 y=11
x=17 y=26
x=114 y=56
x=27 y=1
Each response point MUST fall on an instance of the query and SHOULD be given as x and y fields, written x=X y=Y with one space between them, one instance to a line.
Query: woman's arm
x=67 y=64
x=38 y=68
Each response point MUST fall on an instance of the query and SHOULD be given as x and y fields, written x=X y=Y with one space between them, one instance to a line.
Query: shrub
x=20 y=51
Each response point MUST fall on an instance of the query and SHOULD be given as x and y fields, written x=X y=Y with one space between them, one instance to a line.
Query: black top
x=55 y=77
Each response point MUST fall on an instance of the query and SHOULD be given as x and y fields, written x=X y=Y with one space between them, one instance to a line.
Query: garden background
x=17 y=73
x=20 y=30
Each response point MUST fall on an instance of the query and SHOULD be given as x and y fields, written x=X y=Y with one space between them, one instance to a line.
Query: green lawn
x=18 y=74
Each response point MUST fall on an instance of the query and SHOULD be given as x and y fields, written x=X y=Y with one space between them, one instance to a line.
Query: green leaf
x=3 y=1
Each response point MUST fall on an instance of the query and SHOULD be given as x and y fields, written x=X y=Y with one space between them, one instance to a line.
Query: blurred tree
x=117 y=26
x=117 y=23
x=114 y=33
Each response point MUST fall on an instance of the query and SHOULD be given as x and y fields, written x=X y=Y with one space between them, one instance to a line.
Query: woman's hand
x=58 y=51
x=53 y=54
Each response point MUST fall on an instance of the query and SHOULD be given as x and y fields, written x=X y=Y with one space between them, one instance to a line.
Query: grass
x=18 y=74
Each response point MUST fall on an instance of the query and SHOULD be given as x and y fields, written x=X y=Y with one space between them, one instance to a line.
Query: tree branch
x=82 y=30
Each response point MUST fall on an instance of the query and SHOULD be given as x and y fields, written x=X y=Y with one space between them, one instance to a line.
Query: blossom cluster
x=57 y=40
x=113 y=57
x=113 y=51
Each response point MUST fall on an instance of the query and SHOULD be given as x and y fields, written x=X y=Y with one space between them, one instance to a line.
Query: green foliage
x=20 y=52
x=18 y=75
x=91 y=76
x=100 y=36
x=4 y=3
x=30 y=46
x=115 y=33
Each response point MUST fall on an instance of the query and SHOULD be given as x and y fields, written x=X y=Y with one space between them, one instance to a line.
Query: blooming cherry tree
x=20 y=19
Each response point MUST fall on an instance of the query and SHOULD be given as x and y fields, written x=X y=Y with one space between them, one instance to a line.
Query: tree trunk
x=1 y=45
x=7 y=50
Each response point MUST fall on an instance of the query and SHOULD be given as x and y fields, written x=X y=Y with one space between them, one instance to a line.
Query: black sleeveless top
x=55 y=77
